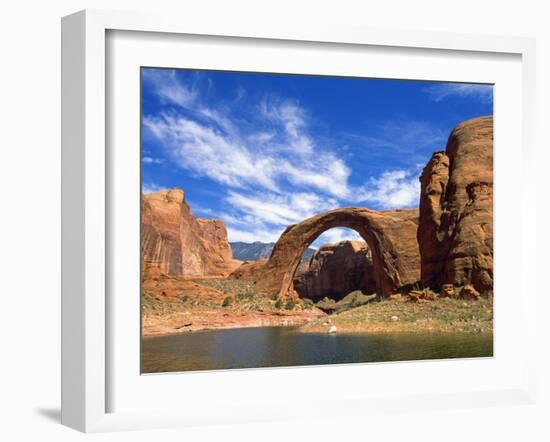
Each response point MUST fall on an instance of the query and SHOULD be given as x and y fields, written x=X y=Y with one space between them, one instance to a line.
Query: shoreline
x=314 y=331
x=201 y=320
x=440 y=316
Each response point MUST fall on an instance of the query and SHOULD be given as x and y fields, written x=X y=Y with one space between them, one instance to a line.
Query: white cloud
x=151 y=160
x=291 y=118
x=208 y=152
x=166 y=85
x=218 y=118
x=440 y=92
x=326 y=172
x=151 y=188
x=282 y=210
x=392 y=190
x=258 y=234
x=199 y=210
x=266 y=215
x=267 y=159
x=336 y=235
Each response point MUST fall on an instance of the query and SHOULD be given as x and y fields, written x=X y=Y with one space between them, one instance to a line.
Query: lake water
x=283 y=346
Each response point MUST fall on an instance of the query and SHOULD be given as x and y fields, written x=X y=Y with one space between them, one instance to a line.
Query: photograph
x=293 y=220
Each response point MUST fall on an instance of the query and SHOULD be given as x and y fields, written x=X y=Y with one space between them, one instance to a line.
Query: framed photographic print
x=255 y=209
x=257 y=248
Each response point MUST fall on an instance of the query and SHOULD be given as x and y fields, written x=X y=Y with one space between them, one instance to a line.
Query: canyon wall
x=176 y=243
x=455 y=233
x=336 y=270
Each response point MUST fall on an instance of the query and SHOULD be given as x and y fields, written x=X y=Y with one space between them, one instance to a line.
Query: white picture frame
x=86 y=209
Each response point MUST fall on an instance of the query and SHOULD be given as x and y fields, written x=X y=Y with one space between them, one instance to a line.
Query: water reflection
x=283 y=346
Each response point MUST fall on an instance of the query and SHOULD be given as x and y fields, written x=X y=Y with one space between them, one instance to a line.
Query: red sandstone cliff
x=176 y=243
x=455 y=233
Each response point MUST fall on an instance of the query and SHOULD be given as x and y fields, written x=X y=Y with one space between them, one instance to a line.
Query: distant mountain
x=245 y=251
x=251 y=251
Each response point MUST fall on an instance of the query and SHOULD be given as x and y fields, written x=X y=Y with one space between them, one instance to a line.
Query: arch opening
x=361 y=230
x=338 y=262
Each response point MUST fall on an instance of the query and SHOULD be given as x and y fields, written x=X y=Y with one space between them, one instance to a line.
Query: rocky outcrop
x=336 y=270
x=250 y=270
x=390 y=235
x=455 y=234
x=176 y=243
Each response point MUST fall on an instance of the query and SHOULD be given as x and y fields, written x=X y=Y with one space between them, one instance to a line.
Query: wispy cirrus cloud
x=393 y=189
x=279 y=209
x=209 y=144
x=151 y=188
x=150 y=160
x=272 y=168
x=291 y=117
x=440 y=92
x=168 y=88
x=271 y=213
x=336 y=235
x=207 y=151
x=252 y=234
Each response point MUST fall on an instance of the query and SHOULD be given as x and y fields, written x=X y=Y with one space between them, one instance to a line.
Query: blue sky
x=263 y=151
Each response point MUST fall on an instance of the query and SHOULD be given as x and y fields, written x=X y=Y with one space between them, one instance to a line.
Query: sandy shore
x=441 y=316
x=212 y=319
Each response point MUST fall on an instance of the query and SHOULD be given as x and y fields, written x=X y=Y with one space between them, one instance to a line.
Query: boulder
x=455 y=233
x=420 y=296
x=351 y=300
x=448 y=291
x=336 y=270
x=469 y=292
x=396 y=297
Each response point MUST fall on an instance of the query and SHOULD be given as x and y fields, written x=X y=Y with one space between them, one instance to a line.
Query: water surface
x=284 y=346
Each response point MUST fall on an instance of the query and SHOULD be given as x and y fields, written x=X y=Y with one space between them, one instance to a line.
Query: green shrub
x=183 y=298
x=278 y=303
x=227 y=301
x=290 y=304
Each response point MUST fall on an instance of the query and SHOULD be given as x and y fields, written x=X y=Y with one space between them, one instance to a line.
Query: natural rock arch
x=391 y=236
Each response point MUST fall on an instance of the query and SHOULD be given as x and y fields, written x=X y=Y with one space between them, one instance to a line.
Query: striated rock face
x=455 y=234
x=336 y=270
x=176 y=243
x=218 y=250
x=160 y=231
x=390 y=235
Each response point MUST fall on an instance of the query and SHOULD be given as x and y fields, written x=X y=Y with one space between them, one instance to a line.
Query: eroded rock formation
x=455 y=232
x=390 y=235
x=176 y=243
x=336 y=270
